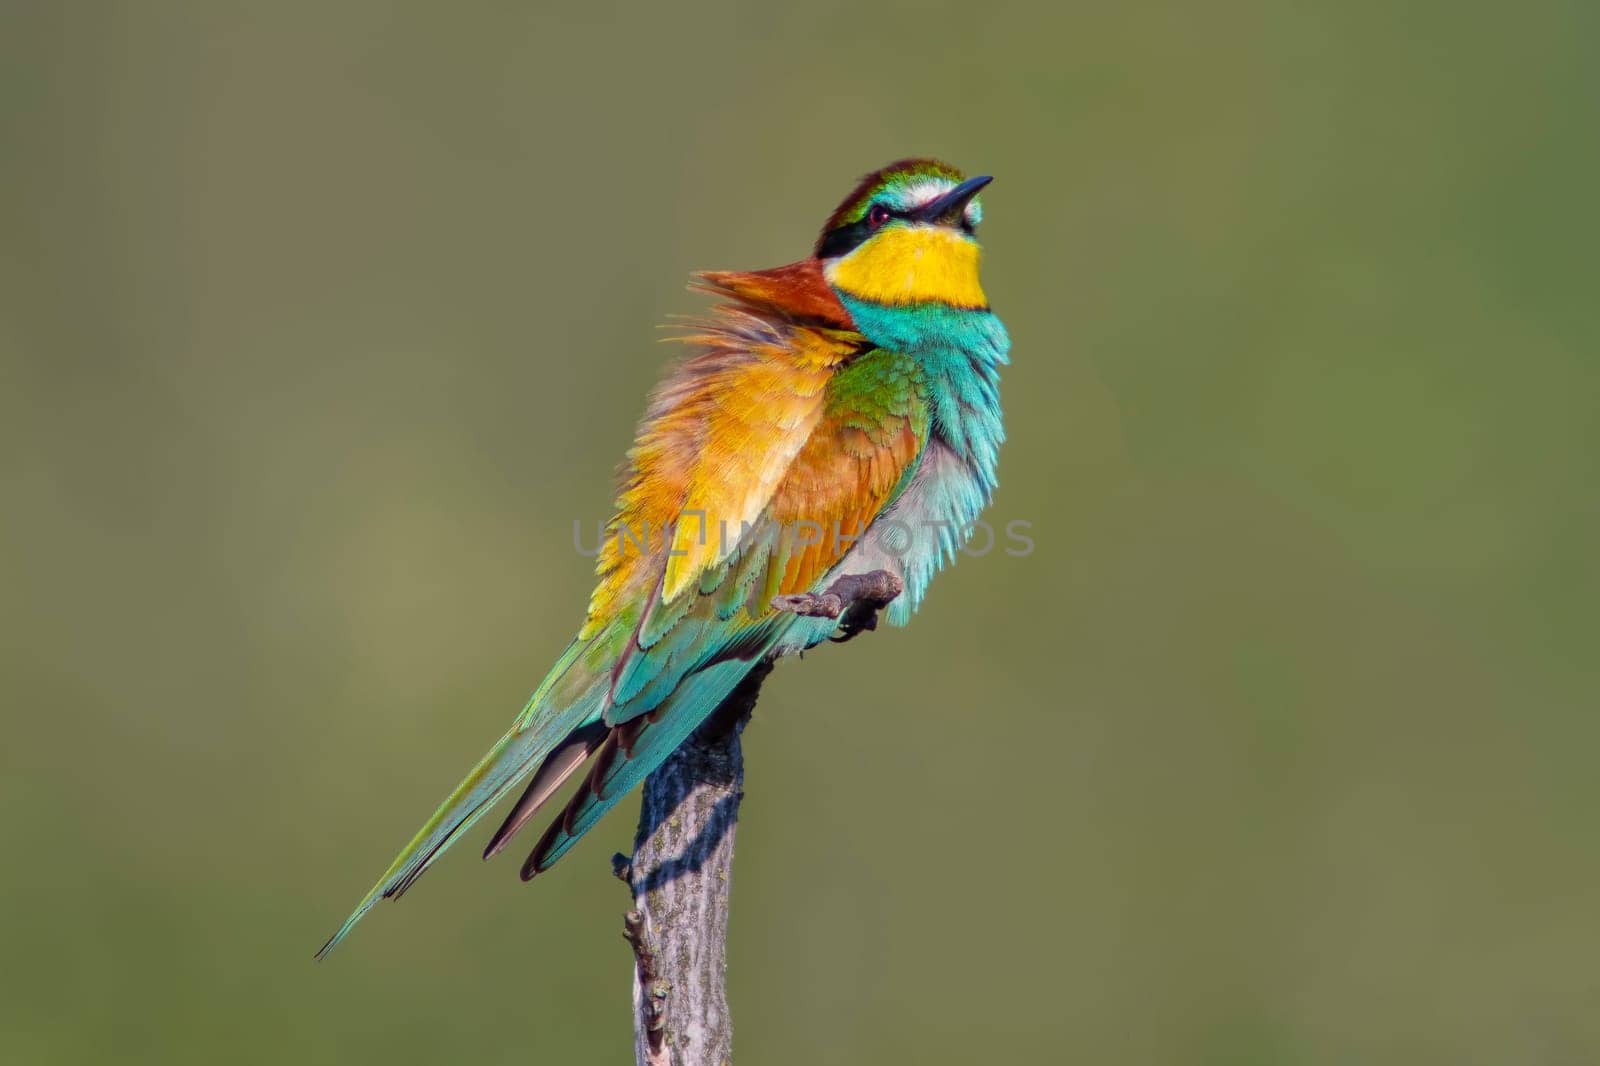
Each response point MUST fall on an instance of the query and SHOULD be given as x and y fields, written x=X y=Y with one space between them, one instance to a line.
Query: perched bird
x=839 y=416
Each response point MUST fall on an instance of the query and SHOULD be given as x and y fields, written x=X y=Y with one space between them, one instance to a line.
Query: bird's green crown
x=900 y=185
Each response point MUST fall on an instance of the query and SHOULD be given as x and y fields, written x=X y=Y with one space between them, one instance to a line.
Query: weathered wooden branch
x=681 y=873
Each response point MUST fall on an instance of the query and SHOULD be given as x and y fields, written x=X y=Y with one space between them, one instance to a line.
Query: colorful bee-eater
x=829 y=401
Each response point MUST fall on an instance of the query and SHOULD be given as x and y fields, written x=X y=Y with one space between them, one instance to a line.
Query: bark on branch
x=681 y=873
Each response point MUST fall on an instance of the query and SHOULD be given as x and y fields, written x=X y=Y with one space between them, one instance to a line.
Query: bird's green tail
x=536 y=732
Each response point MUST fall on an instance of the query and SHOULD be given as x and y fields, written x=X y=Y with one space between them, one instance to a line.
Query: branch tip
x=853 y=599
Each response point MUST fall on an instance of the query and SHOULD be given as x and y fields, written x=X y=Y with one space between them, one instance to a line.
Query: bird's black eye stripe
x=843 y=239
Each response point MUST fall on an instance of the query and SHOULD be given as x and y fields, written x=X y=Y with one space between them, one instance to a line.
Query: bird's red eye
x=877 y=215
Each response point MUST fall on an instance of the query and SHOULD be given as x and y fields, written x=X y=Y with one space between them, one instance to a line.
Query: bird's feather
x=559 y=765
x=569 y=696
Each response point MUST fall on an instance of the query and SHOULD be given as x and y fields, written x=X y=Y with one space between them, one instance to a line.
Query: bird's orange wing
x=719 y=437
x=768 y=454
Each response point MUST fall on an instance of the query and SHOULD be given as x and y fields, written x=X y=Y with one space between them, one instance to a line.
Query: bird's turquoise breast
x=959 y=354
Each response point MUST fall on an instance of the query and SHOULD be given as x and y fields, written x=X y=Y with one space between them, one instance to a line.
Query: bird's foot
x=854 y=599
x=810 y=604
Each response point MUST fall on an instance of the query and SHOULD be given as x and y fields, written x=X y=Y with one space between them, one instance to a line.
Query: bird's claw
x=861 y=618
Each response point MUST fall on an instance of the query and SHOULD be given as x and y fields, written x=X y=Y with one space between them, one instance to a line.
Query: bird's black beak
x=947 y=210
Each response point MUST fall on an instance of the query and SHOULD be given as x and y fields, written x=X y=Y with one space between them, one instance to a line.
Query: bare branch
x=649 y=991
x=681 y=873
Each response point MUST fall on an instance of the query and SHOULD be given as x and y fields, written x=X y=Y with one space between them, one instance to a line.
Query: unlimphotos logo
x=893 y=536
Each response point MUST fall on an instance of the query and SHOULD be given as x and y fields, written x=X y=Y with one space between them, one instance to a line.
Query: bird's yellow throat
x=912 y=265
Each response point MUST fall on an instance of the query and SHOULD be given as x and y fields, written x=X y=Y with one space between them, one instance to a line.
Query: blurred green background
x=320 y=323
